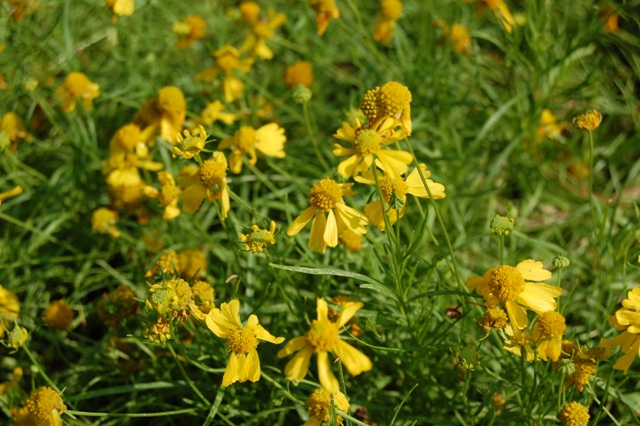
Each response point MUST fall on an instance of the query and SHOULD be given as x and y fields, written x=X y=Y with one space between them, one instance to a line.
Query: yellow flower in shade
x=43 y=408
x=173 y=110
x=368 y=143
x=159 y=331
x=325 y=197
x=493 y=318
x=129 y=139
x=9 y=308
x=192 y=264
x=547 y=333
x=573 y=414
x=120 y=8
x=242 y=342
x=322 y=338
x=189 y=145
x=104 y=221
x=77 y=86
x=397 y=188
x=168 y=264
x=584 y=360
x=12 y=131
x=628 y=319
x=458 y=34
x=170 y=298
x=212 y=112
x=258 y=239
x=610 y=16
x=261 y=30
x=501 y=11
x=189 y=30
x=58 y=315
x=116 y=306
x=268 y=140
x=325 y=11
x=168 y=195
x=203 y=295
x=390 y=12
x=391 y=100
x=351 y=240
x=549 y=127
x=517 y=342
x=319 y=404
x=517 y=289
x=207 y=181
x=11 y=193
x=300 y=73
x=588 y=121
x=228 y=60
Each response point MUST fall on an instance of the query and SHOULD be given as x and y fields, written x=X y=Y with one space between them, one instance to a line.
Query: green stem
x=592 y=204
x=314 y=141
x=186 y=377
x=502 y=249
x=602 y=407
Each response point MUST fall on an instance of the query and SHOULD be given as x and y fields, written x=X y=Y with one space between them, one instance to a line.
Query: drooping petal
x=349 y=309
x=330 y=236
x=517 y=316
x=395 y=162
x=625 y=361
x=298 y=366
x=325 y=376
x=479 y=284
x=355 y=361
x=263 y=334
x=301 y=221
x=224 y=203
x=232 y=372
x=316 y=236
x=340 y=151
x=349 y=166
x=375 y=214
x=192 y=197
x=235 y=161
x=252 y=366
x=533 y=270
x=270 y=140
x=540 y=298
x=349 y=218
x=626 y=317
x=292 y=346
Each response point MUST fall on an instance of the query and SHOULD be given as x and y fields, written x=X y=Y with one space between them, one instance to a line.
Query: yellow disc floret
x=322 y=335
x=367 y=142
x=573 y=414
x=245 y=138
x=391 y=9
x=551 y=324
x=369 y=104
x=390 y=185
x=213 y=175
x=325 y=194
x=392 y=99
x=506 y=283
x=242 y=340
x=45 y=406
x=319 y=404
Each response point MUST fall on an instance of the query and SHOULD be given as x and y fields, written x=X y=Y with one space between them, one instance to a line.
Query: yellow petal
x=330 y=235
x=348 y=311
x=232 y=372
x=192 y=197
x=316 y=236
x=325 y=375
x=517 y=316
x=532 y=270
x=301 y=221
x=540 y=298
x=292 y=346
x=355 y=361
x=297 y=368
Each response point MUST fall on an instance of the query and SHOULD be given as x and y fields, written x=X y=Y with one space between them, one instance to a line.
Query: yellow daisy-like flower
x=319 y=404
x=43 y=408
x=120 y=8
x=325 y=11
x=549 y=126
x=368 y=143
x=588 y=121
x=11 y=193
x=258 y=239
x=458 y=34
x=9 y=308
x=104 y=221
x=584 y=360
x=322 y=338
x=268 y=140
x=189 y=145
x=12 y=131
x=189 y=30
x=300 y=73
x=168 y=195
x=261 y=30
x=228 y=61
x=77 y=86
x=517 y=289
x=501 y=11
x=212 y=112
x=207 y=181
x=390 y=12
x=193 y=263
x=58 y=315
x=517 y=342
x=391 y=100
x=573 y=414
x=203 y=296
x=399 y=188
x=325 y=197
x=242 y=342
x=547 y=333
x=628 y=319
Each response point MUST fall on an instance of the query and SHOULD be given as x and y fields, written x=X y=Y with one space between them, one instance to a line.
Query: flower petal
x=298 y=367
x=301 y=221
x=330 y=236
x=532 y=270
x=325 y=375
x=232 y=372
x=355 y=361
x=540 y=298
x=292 y=346
x=316 y=236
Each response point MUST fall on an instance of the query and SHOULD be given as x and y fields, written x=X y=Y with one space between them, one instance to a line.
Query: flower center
x=168 y=193
x=551 y=324
x=242 y=340
x=325 y=194
x=390 y=186
x=322 y=335
x=227 y=61
x=506 y=283
x=392 y=99
x=319 y=403
x=245 y=138
x=213 y=175
x=367 y=142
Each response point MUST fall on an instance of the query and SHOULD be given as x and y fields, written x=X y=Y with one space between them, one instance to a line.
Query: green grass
x=475 y=121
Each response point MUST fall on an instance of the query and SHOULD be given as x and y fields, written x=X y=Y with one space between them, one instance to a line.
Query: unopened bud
x=501 y=225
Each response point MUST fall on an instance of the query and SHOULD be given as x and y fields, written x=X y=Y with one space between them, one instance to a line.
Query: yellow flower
x=249 y=11
x=207 y=181
x=518 y=289
x=120 y=8
x=168 y=263
x=173 y=110
x=584 y=360
x=260 y=31
x=323 y=338
x=573 y=414
x=168 y=195
x=11 y=193
x=259 y=239
x=130 y=139
x=58 y=315
x=628 y=319
x=390 y=12
x=501 y=11
x=189 y=145
x=228 y=61
x=77 y=86
x=104 y=221
x=242 y=342
x=192 y=264
x=547 y=333
x=189 y=30
x=203 y=296
x=493 y=318
x=588 y=121
x=268 y=139
x=458 y=35
x=391 y=100
x=325 y=10
x=325 y=197
x=351 y=240
x=43 y=408
x=518 y=341
x=319 y=404
x=170 y=298
x=549 y=126
x=212 y=112
x=397 y=188
x=12 y=130
x=9 y=308
x=300 y=73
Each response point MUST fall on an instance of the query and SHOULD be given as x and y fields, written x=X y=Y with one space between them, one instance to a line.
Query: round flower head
x=368 y=143
x=169 y=299
x=319 y=404
x=390 y=11
x=189 y=30
x=300 y=73
x=391 y=100
x=207 y=181
x=12 y=130
x=203 y=296
x=77 y=86
x=628 y=319
x=268 y=140
x=394 y=192
x=242 y=342
x=573 y=414
x=517 y=289
x=325 y=10
x=249 y=11
x=588 y=121
x=323 y=337
x=120 y=8
x=259 y=239
x=189 y=145
x=548 y=333
x=193 y=264
x=212 y=112
x=104 y=221
x=325 y=197
x=58 y=314
x=173 y=110
x=43 y=408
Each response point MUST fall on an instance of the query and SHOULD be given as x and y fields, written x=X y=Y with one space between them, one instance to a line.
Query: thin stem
x=502 y=249
x=186 y=377
x=602 y=407
x=314 y=141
